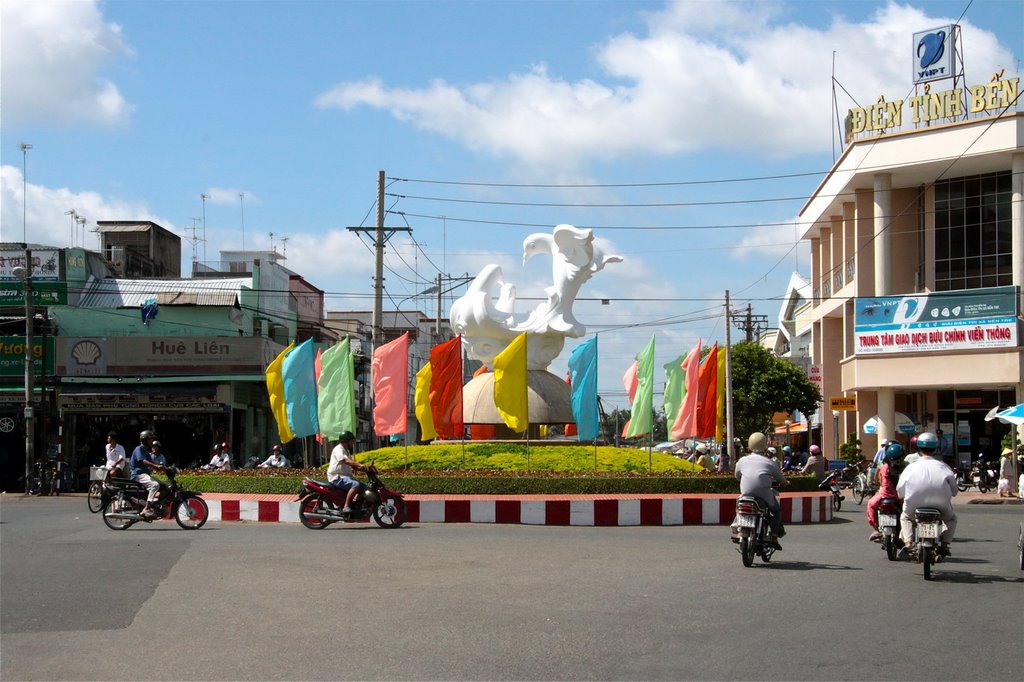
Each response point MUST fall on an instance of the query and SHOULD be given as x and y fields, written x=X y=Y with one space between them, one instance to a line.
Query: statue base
x=548 y=398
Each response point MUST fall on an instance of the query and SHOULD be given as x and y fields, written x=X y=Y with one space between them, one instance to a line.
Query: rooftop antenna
x=82 y=221
x=74 y=224
x=272 y=243
x=284 y=246
x=204 y=196
x=241 y=203
x=194 y=240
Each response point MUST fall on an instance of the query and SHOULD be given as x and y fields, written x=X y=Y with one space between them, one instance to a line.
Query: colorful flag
x=685 y=424
x=275 y=389
x=421 y=399
x=510 y=390
x=298 y=373
x=707 y=395
x=337 y=397
x=643 y=404
x=570 y=429
x=319 y=368
x=391 y=386
x=675 y=386
x=630 y=381
x=446 y=389
x=583 y=389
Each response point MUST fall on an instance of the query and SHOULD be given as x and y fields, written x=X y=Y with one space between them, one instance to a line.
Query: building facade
x=917 y=251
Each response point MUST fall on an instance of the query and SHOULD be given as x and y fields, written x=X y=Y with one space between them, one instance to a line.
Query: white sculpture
x=487 y=326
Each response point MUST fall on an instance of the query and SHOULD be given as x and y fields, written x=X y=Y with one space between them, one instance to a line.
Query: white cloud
x=52 y=54
x=44 y=216
x=723 y=75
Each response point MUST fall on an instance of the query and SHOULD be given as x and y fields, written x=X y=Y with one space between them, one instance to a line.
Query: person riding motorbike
x=889 y=474
x=928 y=482
x=141 y=464
x=116 y=460
x=815 y=464
x=339 y=472
x=756 y=474
x=788 y=458
x=276 y=459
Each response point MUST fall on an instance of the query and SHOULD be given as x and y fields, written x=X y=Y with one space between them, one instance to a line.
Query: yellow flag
x=720 y=405
x=421 y=400
x=510 y=396
x=275 y=388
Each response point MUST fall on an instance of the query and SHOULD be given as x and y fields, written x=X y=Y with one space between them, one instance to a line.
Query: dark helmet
x=788 y=450
x=147 y=435
x=815 y=450
x=345 y=436
x=894 y=452
x=927 y=442
x=156 y=443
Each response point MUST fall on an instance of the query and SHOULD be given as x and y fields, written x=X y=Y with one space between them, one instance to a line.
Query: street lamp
x=25 y=275
x=24 y=196
x=835 y=432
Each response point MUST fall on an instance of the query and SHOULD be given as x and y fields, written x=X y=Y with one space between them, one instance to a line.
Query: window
x=972 y=232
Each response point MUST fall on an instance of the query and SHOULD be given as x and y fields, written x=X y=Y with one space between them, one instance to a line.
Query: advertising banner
x=12 y=356
x=968 y=319
x=45 y=264
x=44 y=293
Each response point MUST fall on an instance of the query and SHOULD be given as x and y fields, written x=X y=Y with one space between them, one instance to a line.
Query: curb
x=676 y=510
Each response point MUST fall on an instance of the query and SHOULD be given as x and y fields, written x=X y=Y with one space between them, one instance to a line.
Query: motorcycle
x=964 y=479
x=924 y=545
x=321 y=503
x=753 y=522
x=889 y=525
x=984 y=475
x=831 y=483
x=127 y=499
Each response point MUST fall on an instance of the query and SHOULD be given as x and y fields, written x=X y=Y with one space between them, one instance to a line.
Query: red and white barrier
x=692 y=510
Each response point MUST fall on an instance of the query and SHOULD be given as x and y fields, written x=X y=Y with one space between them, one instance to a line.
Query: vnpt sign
x=933 y=54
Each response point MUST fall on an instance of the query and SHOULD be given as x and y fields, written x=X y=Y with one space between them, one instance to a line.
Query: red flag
x=391 y=386
x=707 y=395
x=482 y=431
x=570 y=428
x=446 y=389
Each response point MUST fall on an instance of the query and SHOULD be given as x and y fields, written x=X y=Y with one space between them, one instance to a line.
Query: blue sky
x=719 y=112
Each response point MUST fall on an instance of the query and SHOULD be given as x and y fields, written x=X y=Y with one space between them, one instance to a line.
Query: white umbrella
x=904 y=424
x=993 y=413
x=1014 y=415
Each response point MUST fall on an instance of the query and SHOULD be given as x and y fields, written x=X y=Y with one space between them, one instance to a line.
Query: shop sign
x=43 y=293
x=139 y=403
x=164 y=355
x=45 y=264
x=933 y=54
x=12 y=356
x=843 y=404
x=968 y=319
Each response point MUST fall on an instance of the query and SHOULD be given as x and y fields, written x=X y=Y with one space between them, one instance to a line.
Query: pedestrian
x=1006 y=473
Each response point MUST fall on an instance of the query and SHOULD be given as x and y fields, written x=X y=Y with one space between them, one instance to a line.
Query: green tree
x=763 y=384
x=621 y=416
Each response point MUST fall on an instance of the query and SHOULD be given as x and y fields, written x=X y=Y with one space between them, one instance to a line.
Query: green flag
x=675 y=386
x=643 y=403
x=336 y=400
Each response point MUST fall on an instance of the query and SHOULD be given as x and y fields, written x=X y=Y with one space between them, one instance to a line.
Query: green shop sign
x=12 y=356
x=44 y=293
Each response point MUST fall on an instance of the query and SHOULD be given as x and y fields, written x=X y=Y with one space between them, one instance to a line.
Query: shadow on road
x=808 y=566
x=971 y=578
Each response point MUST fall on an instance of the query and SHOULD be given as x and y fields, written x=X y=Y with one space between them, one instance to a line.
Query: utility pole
x=752 y=325
x=729 y=430
x=25 y=274
x=381 y=235
x=437 y=321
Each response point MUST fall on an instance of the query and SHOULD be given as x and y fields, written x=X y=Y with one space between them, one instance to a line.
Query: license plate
x=886 y=520
x=927 y=530
x=746 y=521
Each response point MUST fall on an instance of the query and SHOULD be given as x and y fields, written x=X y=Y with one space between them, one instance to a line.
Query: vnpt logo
x=930 y=50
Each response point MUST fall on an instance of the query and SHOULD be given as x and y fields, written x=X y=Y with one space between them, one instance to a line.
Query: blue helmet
x=788 y=450
x=894 y=452
x=927 y=442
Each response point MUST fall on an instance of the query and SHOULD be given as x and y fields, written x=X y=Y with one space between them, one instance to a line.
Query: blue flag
x=149 y=310
x=299 y=375
x=583 y=375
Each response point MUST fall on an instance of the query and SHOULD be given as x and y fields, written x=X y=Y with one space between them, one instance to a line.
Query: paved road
x=472 y=601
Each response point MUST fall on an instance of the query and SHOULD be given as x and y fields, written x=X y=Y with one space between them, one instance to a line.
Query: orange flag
x=446 y=389
x=707 y=395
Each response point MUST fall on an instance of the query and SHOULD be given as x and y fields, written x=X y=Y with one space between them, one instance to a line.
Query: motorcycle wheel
x=747 y=549
x=926 y=559
x=114 y=524
x=1020 y=546
x=837 y=502
x=95 y=497
x=859 y=488
x=390 y=513
x=962 y=484
x=312 y=504
x=889 y=542
x=983 y=486
x=192 y=513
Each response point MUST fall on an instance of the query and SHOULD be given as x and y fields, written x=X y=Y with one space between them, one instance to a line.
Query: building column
x=886 y=414
x=1017 y=247
x=883 y=236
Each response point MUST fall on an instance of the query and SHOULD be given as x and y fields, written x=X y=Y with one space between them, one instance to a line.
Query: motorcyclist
x=276 y=459
x=928 y=482
x=815 y=464
x=888 y=474
x=339 y=472
x=140 y=465
x=757 y=473
x=116 y=462
x=788 y=458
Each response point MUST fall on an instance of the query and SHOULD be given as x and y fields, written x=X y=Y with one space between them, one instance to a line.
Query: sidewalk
x=552 y=510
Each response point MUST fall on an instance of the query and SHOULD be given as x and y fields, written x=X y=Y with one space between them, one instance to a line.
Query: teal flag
x=299 y=375
x=583 y=377
x=337 y=396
